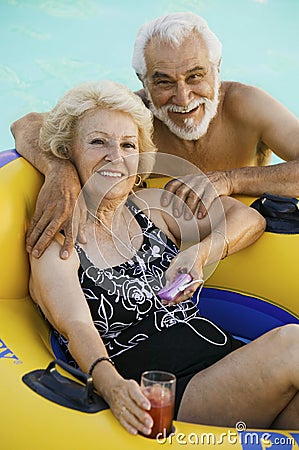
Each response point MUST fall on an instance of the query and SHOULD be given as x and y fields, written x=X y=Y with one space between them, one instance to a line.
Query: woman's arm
x=222 y=233
x=58 y=292
x=228 y=227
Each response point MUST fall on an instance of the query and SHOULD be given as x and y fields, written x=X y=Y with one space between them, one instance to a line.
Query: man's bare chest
x=210 y=153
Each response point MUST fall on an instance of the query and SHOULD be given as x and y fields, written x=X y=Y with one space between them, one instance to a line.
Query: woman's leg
x=254 y=384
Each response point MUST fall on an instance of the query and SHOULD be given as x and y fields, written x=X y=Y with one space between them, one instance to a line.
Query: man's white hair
x=174 y=28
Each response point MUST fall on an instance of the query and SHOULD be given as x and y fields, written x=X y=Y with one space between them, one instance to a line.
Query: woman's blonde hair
x=57 y=132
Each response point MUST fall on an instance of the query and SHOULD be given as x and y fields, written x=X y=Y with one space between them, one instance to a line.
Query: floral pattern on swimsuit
x=122 y=299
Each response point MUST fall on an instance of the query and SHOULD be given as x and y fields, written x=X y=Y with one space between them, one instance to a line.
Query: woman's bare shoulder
x=147 y=198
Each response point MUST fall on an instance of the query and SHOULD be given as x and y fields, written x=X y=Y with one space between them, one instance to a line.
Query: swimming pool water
x=48 y=46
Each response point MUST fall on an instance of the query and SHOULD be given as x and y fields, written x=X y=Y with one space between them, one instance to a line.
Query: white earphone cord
x=197 y=318
x=189 y=284
x=141 y=263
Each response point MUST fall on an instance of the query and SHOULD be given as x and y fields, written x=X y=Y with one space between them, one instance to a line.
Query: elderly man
x=227 y=129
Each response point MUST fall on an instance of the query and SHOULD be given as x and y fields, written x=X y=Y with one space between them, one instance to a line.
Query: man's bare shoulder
x=234 y=92
x=242 y=101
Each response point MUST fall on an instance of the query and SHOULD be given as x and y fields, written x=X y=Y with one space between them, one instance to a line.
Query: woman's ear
x=64 y=151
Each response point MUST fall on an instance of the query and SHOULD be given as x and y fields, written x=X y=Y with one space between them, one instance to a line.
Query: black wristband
x=97 y=361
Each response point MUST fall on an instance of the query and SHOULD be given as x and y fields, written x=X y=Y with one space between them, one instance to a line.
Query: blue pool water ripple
x=50 y=45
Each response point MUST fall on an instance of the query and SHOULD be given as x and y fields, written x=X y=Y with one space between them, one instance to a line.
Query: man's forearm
x=279 y=179
x=26 y=133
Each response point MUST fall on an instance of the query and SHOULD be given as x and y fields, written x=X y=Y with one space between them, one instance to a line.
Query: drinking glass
x=159 y=388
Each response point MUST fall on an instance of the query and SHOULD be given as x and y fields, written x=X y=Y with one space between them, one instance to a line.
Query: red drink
x=162 y=408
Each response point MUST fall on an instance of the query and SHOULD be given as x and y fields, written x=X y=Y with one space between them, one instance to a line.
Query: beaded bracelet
x=97 y=361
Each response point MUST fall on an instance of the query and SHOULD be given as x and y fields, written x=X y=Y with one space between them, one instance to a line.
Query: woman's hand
x=189 y=261
x=130 y=406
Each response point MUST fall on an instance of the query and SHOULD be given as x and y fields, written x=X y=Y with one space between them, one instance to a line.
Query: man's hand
x=55 y=208
x=197 y=192
x=55 y=211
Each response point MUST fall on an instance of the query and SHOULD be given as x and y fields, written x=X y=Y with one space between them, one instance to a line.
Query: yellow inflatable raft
x=257 y=285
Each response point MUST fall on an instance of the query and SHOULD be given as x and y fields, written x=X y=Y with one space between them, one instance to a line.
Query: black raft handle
x=52 y=385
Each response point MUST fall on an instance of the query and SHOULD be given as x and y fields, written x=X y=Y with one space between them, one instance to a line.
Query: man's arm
x=231 y=230
x=271 y=124
x=279 y=179
x=278 y=129
x=57 y=198
x=26 y=134
x=229 y=227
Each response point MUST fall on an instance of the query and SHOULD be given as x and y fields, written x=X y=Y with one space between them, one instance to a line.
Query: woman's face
x=105 y=152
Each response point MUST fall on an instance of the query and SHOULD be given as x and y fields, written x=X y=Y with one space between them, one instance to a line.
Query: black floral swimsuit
x=138 y=332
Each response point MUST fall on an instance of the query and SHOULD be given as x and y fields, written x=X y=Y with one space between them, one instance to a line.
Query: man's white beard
x=189 y=131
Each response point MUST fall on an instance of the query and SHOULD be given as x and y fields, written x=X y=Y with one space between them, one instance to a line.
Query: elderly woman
x=103 y=301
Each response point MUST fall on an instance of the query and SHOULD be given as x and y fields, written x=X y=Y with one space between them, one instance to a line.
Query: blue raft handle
x=64 y=391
